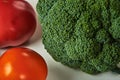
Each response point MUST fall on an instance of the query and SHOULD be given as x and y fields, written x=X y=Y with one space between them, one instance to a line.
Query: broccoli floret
x=115 y=29
x=82 y=34
x=44 y=6
x=102 y=36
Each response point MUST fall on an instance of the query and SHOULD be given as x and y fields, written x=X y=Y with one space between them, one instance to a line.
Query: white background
x=57 y=71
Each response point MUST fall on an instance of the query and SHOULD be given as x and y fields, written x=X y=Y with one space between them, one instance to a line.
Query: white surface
x=57 y=71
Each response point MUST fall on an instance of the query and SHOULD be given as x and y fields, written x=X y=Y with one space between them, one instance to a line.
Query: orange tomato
x=22 y=64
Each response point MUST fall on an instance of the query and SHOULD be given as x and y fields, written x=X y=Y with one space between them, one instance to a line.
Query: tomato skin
x=22 y=64
x=17 y=22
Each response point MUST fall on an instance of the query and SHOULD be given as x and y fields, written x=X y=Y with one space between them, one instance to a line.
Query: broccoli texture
x=82 y=34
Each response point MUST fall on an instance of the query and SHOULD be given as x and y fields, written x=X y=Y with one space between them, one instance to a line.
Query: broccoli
x=82 y=34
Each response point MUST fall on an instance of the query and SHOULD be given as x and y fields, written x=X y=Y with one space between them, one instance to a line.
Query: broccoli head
x=82 y=34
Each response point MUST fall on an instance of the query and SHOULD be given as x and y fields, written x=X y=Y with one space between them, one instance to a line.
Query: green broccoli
x=82 y=34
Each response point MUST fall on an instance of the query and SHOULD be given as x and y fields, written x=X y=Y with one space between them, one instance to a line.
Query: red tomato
x=22 y=64
x=17 y=22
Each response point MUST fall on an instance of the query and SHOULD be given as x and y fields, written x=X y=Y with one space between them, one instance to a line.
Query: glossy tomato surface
x=22 y=64
x=17 y=22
